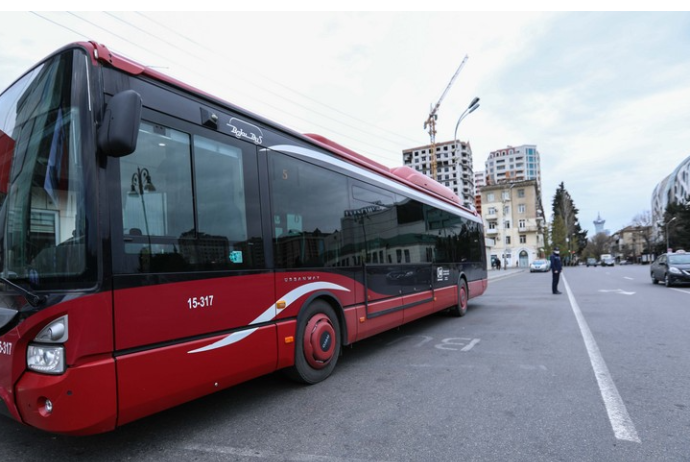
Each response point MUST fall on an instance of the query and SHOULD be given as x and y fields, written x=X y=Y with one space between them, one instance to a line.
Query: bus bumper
x=82 y=401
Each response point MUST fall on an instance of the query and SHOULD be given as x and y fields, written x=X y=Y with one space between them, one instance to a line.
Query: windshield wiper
x=34 y=300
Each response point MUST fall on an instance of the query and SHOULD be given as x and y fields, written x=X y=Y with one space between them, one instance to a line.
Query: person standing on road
x=556 y=268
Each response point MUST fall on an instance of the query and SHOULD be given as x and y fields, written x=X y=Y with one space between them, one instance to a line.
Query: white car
x=541 y=266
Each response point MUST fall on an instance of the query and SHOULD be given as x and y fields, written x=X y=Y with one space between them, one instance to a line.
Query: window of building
x=490 y=197
x=507 y=223
x=523 y=239
x=521 y=224
x=521 y=192
x=508 y=240
x=521 y=208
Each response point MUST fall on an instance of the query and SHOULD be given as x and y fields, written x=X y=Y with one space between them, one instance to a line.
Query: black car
x=672 y=268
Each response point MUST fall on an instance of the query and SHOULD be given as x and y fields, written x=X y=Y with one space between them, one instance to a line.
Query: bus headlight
x=48 y=354
x=46 y=359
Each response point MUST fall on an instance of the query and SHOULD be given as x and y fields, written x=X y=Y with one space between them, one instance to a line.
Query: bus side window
x=227 y=204
x=309 y=204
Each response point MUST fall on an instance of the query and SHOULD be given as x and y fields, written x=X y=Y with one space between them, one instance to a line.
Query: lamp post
x=470 y=109
x=667 y=240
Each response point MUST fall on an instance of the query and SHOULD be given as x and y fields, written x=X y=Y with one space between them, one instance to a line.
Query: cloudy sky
x=605 y=96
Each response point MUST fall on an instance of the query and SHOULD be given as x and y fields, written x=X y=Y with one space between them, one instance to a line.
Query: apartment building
x=479 y=183
x=513 y=217
x=453 y=166
x=513 y=163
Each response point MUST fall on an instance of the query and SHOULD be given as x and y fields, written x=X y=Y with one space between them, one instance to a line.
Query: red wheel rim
x=319 y=341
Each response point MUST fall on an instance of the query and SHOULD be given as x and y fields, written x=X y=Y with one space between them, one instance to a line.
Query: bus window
x=309 y=204
x=156 y=188
x=227 y=204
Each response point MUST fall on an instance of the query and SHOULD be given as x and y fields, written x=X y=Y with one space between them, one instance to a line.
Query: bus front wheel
x=317 y=344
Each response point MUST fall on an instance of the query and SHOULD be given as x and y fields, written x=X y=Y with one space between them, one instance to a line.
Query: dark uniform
x=556 y=268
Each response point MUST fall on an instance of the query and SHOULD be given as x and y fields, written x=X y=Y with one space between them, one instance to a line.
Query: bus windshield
x=42 y=195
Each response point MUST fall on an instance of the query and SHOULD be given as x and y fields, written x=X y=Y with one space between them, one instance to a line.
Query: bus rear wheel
x=461 y=308
x=317 y=344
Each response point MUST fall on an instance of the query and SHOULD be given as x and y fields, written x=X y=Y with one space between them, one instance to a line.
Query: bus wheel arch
x=460 y=309
x=318 y=342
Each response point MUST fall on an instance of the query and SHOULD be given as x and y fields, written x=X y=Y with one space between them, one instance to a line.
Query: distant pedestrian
x=556 y=268
x=498 y=264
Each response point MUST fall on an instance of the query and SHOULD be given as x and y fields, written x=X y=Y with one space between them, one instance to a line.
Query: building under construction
x=453 y=166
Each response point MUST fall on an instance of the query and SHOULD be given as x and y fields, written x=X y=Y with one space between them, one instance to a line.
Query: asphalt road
x=599 y=373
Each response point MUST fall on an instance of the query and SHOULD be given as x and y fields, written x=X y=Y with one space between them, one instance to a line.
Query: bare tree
x=644 y=223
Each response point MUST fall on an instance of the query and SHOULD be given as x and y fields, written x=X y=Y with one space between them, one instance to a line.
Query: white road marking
x=617 y=291
x=687 y=292
x=622 y=424
x=626 y=277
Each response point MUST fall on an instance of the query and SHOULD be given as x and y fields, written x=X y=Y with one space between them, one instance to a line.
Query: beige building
x=631 y=242
x=513 y=217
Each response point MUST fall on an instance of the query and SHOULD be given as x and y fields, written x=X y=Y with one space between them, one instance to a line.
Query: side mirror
x=117 y=135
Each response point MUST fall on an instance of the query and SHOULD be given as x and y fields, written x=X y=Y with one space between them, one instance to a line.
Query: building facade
x=513 y=163
x=675 y=188
x=479 y=183
x=453 y=167
x=513 y=217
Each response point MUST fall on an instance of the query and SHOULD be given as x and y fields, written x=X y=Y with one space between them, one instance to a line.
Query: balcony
x=492 y=232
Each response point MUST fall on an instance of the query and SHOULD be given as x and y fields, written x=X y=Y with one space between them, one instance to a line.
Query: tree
x=564 y=207
x=643 y=221
x=678 y=229
x=599 y=244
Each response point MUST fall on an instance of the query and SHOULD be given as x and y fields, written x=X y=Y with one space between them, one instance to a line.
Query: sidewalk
x=495 y=274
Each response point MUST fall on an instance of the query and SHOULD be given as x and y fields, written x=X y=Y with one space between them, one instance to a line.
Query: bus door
x=193 y=303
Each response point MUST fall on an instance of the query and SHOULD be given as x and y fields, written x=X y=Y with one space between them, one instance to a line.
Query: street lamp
x=470 y=109
x=667 y=241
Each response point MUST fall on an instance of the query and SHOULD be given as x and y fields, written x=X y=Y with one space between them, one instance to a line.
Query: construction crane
x=431 y=120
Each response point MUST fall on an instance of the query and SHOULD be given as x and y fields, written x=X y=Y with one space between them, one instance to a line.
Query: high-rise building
x=513 y=163
x=675 y=188
x=453 y=166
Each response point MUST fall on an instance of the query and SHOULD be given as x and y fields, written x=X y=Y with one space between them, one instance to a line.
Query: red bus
x=159 y=244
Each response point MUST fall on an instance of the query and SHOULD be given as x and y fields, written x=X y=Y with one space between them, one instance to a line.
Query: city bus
x=160 y=244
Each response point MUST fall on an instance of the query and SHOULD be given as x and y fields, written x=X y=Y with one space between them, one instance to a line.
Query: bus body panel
x=425 y=303
x=477 y=288
x=369 y=326
x=84 y=399
x=285 y=339
x=168 y=312
x=153 y=380
x=296 y=287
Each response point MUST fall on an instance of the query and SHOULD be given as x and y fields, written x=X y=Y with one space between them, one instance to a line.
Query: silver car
x=541 y=266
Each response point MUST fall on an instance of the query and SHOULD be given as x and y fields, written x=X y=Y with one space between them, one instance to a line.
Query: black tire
x=317 y=343
x=654 y=280
x=667 y=281
x=460 y=309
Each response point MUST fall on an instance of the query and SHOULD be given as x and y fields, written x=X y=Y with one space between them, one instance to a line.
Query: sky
x=605 y=96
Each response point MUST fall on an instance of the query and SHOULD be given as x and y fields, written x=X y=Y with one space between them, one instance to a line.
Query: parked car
x=672 y=268
x=541 y=266
x=591 y=262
